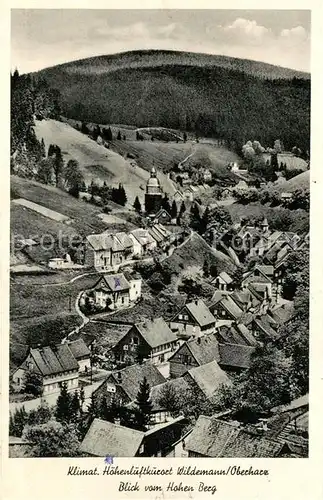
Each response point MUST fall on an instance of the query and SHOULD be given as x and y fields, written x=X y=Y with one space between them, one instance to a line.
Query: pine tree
x=74 y=406
x=182 y=209
x=82 y=399
x=17 y=422
x=205 y=219
x=206 y=268
x=184 y=137
x=63 y=405
x=173 y=211
x=144 y=403
x=137 y=205
x=58 y=165
x=43 y=148
x=122 y=197
x=119 y=136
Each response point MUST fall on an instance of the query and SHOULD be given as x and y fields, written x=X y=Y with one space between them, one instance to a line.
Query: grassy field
x=300 y=181
x=291 y=161
x=96 y=162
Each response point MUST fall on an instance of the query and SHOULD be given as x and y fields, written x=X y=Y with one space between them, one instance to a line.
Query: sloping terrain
x=213 y=96
x=97 y=162
x=300 y=181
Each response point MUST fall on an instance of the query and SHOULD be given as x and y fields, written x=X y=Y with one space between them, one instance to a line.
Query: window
x=125 y=347
x=223 y=312
x=180 y=316
x=136 y=340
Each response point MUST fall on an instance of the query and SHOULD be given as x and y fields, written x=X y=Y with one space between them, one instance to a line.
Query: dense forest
x=208 y=100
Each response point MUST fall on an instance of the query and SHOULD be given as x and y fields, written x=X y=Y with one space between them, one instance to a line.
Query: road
x=51 y=399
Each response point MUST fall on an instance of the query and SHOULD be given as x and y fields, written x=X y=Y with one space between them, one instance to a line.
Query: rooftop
x=200 y=312
x=79 y=348
x=113 y=282
x=105 y=438
x=52 y=360
x=209 y=378
x=156 y=332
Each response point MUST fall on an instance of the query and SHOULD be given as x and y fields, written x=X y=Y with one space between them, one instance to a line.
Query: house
x=237 y=333
x=194 y=319
x=225 y=310
x=208 y=378
x=223 y=282
x=105 y=438
x=178 y=196
x=153 y=339
x=260 y=282
x=264 y=327
x=102 y=251
x=161 y=235
x=163 y=217
x=122 y=386
x=127 y=244
x=115 y=291
x=178 y=449
x=188 y=193
x=286 y=196
x=81 y=353
x=202 y=350
x=55 y=365
x=214 y=438
x=143 y=242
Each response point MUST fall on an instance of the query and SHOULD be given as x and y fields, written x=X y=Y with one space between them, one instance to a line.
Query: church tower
x=154 y=194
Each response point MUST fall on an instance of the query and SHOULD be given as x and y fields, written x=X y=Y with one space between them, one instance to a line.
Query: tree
x=45 y=173
x=264 y=385
x=119 y=136
x=53 y=440
x=137 y=205
x=206 y=268
x=122 y=195
x=144 y=403
x=237 y=276
x=84 y=129
x=185 y=137
x=63 y=405
x=33 y=383
x=17 y=421
x=74 y=406
x=58 y=165
x=43 y=148
x=169 y=399
x=195 y=217
x=74 y=179
x=165 y=203
x=173 y=211
x=40 y=415
x=182 y=209
x=205 y=220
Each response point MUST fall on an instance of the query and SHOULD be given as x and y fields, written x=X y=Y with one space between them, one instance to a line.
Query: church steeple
x=153 y=197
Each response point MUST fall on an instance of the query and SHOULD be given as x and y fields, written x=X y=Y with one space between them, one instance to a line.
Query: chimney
x=199 y=340
x=196 y=302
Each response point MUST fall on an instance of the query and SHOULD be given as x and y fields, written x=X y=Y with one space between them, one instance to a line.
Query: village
x=156 y=381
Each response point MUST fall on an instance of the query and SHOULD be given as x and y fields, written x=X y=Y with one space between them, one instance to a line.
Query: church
x=154 y=194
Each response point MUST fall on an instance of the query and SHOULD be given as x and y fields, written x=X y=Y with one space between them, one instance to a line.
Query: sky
x=44 y=37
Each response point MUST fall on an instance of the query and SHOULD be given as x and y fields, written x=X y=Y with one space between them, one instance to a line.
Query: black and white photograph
x=159 y=234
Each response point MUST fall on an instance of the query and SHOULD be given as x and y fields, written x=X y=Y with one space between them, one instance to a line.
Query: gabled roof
x=200 y=312
x=236 y=334
x=142 y=236
x=216 y=438
x=105 y=438
x=52 y=360
x=156 y=332
x=264 y=325
x=267 y=270
x=225 y=277
x=235 y=355
x=114 y=282
x=203 y=349
x=283 y=313
x=230 y=306
x=209 y=378
x=130 y=377
x=161 y=212
x=79 y=349
x=105 y=241
x=251 y=277
x=124 y=239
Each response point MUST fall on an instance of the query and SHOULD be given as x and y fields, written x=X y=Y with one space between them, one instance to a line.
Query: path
x=51 y=399
x=187 y=157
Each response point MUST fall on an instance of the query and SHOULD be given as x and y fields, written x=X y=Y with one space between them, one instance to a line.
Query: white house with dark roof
x=143 y=242
x=225 y=310
x=115 y=291
x=193 y=320
x=55 y=365
x=223 y=282
x=153 y=338
x=104 y=252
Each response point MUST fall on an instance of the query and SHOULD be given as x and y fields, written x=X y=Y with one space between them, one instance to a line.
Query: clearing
x=46 y=212
x=97 y=162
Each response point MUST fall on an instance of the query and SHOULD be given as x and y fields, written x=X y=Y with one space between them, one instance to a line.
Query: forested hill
x=226 y=98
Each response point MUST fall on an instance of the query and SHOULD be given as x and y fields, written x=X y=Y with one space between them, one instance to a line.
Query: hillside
x=152 y=58
x=97 y=162
x=209 y=95
x=300 y=181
